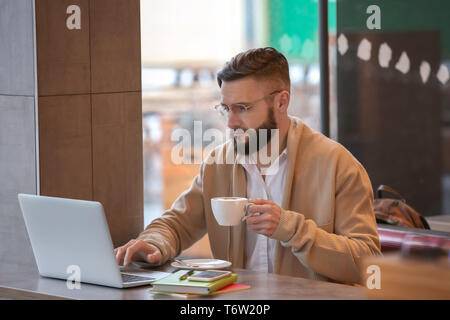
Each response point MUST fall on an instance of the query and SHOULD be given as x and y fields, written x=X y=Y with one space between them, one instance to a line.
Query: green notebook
x=172 y=283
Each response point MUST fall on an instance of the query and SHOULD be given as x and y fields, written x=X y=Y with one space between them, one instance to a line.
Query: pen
x=185 y=275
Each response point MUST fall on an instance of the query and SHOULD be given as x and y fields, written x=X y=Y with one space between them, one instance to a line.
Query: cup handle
x=246 y=211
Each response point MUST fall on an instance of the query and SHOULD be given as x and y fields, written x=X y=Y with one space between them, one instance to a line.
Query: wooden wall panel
x=115 y=45
x=90 y=113
x=117 y=161
x=65 y=147
x=63 y=57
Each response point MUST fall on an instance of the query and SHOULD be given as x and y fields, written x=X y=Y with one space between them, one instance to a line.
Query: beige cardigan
x=327 y=222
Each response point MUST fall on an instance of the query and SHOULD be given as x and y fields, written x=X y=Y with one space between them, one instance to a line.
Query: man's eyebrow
x=241 y=102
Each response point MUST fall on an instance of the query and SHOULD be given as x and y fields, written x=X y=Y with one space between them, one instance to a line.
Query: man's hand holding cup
x=269 y=216
x=262 y=216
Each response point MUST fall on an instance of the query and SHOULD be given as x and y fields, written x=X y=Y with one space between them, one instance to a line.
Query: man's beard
x=268 y=125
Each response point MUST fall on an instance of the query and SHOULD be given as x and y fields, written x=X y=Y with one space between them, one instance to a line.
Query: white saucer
x=202 y=264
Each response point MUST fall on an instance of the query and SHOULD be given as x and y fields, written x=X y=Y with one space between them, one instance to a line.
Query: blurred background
x=184 y=44
x=397 y=126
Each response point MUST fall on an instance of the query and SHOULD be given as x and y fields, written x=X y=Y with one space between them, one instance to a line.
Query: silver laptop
x=71 y=241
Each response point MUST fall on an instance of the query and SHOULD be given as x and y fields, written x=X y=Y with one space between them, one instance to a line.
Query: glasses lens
x=240 y=108
x=222 y=109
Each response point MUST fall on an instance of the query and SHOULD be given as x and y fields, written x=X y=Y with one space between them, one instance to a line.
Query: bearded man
x=312 y=205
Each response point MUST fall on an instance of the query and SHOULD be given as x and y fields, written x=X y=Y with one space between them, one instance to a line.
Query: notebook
x=172 y=283
x=230 y=288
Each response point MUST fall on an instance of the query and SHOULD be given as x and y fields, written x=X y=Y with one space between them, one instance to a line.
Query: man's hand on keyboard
x=138 y=250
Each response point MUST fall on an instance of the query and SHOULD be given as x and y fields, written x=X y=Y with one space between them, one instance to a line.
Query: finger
x=260 y=201
x=154 y=257
x=264 y=221
x=118 y=255
x=253 y=226
x=121 y=253
x=254 y=219
x=146 y=249
x=121 y=250
x=259 y=208
x=263 y=229
x=130 y=253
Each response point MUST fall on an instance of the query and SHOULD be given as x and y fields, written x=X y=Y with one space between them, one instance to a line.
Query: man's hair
x=261 y=63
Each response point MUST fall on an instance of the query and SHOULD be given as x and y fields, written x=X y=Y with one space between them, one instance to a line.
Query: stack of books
x=172 y=284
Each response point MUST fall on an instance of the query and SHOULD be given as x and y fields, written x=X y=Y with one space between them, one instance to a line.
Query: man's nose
x=234 y=120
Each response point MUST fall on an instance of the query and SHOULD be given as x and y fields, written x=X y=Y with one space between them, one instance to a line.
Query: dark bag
x=395 y=211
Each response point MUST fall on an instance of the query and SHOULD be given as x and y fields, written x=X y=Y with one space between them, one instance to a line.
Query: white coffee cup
x=229 y=211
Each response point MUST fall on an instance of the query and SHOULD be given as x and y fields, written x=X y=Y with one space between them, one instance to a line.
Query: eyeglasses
x=240 y=108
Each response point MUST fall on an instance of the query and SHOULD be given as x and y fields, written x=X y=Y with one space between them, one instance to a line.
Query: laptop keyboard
x=132 y=278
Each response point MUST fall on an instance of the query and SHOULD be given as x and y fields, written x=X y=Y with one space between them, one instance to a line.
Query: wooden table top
x=19 y=282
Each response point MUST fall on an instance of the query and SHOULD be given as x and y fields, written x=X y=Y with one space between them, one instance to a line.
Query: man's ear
x=283 y=101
